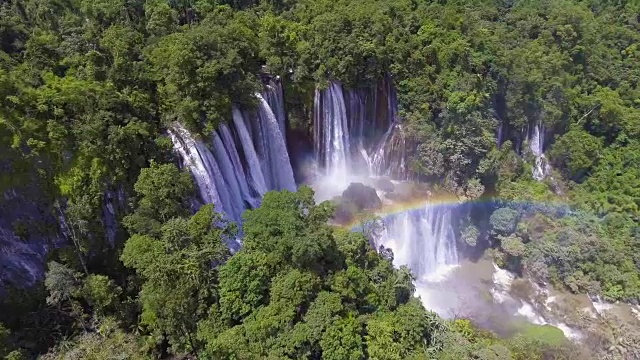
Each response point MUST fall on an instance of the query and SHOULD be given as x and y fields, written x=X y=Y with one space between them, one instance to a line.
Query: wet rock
x=362 y=197
x=385 y=185
x=357 y=198
x=408 y=191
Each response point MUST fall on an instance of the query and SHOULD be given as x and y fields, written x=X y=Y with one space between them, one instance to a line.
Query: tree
x=576 y=152
x=512 y=245
x=174 y=254
x=4 y=340
x=470 y=235
x=176 y=269
x=504 y=220
x=202 y=70
x=163 y=192
x=62 y=283
x=343 y=340
x=101 y=293
x=108 y=342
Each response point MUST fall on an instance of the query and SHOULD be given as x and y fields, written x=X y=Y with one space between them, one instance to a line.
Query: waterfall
x=331 y=130
x=389 y=157
x=234 y=175
x=423 y=239
x=275 y=98
x=276 y=158
x=242 y=180
x=376 y=161
x=357 y=115
x=253 y=163
x=230 y=176
x=190 y=154
x=536 y=145
x=356 y=131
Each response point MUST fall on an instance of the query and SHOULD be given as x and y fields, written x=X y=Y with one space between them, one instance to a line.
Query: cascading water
x=275 y=98
x=389 y=158
x=422 y=239
x=229 y=175
x=276 y=158
x=204 y=168
x=331 y=130
x=354 y=123
x=233 y=175
x=536 y=144
x=352 y=128
x=242 y=180
x=253 y=162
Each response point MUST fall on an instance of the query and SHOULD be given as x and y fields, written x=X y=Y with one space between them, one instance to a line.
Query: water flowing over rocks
x=536 y=137
x=423 y=234
x=360 y=160
x=240 y=161
x=422 y=239
x=357 y=132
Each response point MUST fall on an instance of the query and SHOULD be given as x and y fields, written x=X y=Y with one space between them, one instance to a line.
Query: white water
x=376 y=161
x=277 y=167
x=275 y=98
x=241 y=178
x=331 y=131
x=423 y=240
x=536 y=144
x=253 y=163
x=221 y=173
x=186 y=148
x=357 y=133
x=502 y=280
x=229 y=176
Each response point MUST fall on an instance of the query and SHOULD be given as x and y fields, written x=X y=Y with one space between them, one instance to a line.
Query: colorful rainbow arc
x=419 y=203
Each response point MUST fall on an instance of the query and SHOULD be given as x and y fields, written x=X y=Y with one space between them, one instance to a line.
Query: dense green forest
x=88 y=87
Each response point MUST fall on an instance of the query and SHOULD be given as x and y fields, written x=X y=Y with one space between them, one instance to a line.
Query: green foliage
x=277 y=300
x=4 y=340
x=178 y=262
x=504 y=220
x=583 y=253
x=62 y=283
x=577 y=152
x=470 y=235
x=614 y=185
x=101 y=293
x=343 y=340
x=195 y=68
x=87 y=88
x=512 y=245
x=109 y=342
x=163 y=191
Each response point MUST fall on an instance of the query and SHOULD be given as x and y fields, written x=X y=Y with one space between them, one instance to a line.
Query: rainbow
x=421 y=202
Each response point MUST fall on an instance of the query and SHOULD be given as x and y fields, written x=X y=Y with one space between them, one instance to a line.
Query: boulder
x=362 y=197
x=385 y=185
x=354 y=200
